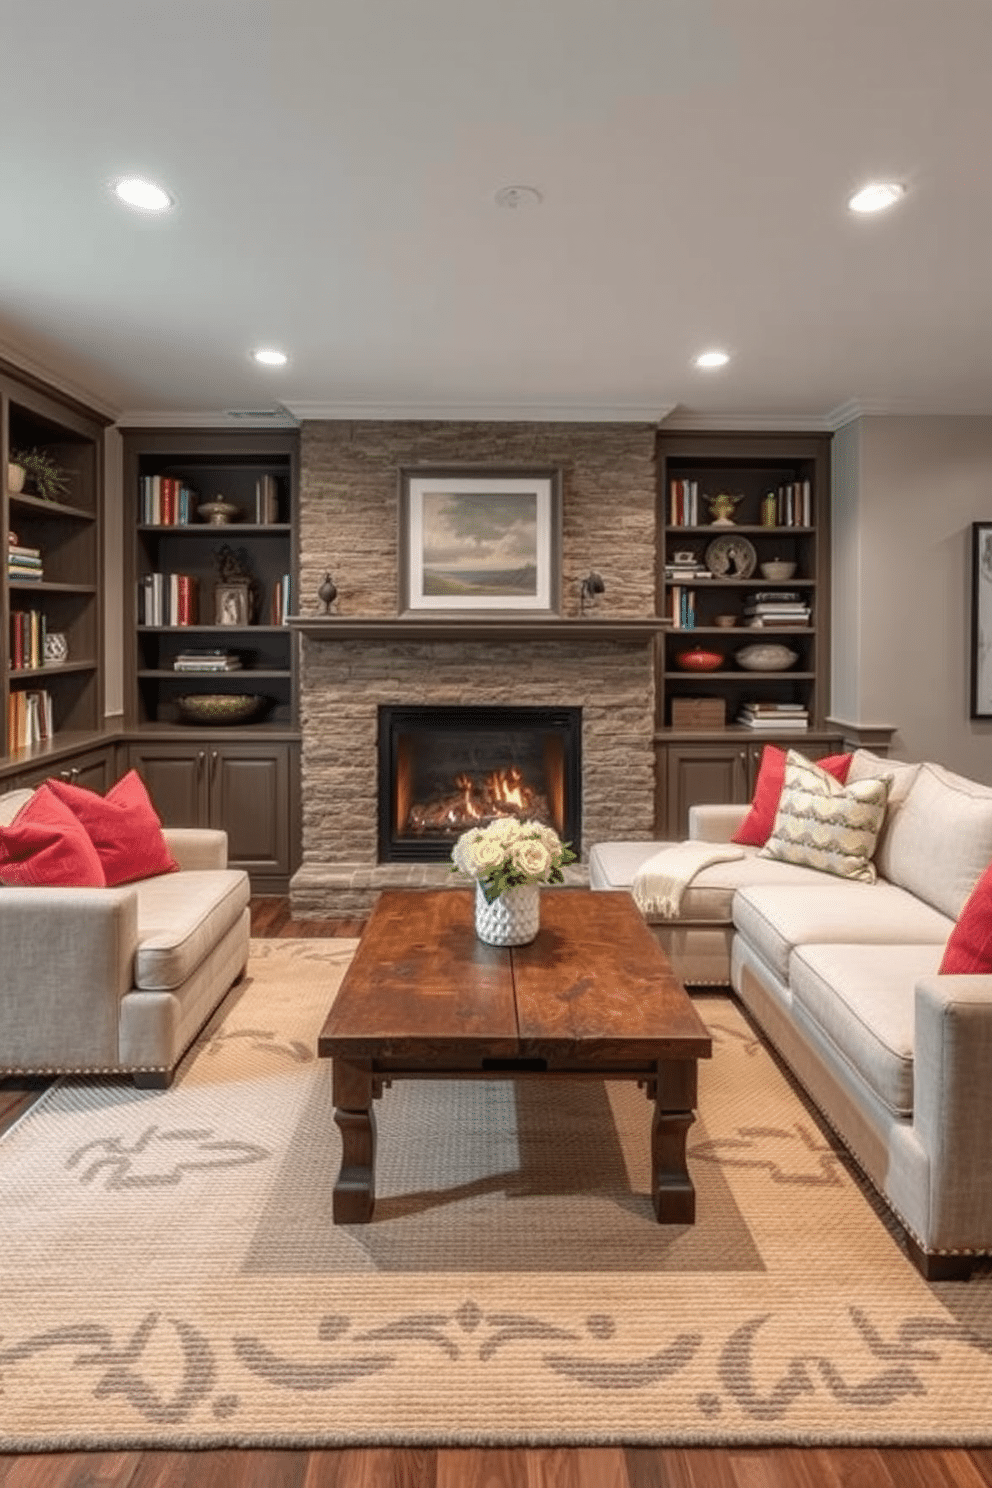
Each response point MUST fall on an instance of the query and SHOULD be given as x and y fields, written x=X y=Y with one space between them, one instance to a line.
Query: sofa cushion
x=612 y=865
x=862 y=999
x=969 y=950
x=940 y=843
x=182 y=916
x=45 y=846
x=756 y=828
x=868 y=766
x=124 y=827
x=775 y=921
x=823 y=824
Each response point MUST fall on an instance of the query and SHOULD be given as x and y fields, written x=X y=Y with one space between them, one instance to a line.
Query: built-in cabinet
x=241 y=777
x=51 y=584
x=711 y=586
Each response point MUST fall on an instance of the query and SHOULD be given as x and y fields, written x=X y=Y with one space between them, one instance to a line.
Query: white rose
x=531 y=857
x=505 y=829
x=460 y=853
x=484 y=854
x=548 y=836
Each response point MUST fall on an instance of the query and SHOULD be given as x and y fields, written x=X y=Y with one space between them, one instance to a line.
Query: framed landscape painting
x=981 y=619
x=477 y=540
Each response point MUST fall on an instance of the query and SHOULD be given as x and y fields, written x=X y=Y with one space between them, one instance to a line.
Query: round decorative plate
x=731 y=557
x=767 y=658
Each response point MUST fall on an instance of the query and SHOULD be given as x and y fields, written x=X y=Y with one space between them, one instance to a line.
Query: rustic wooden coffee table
x=593 y=997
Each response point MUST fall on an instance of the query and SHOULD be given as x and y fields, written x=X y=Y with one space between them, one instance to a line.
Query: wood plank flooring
x=373 y=1467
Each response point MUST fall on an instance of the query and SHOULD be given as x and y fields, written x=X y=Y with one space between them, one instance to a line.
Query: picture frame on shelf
x=232 y=603
x=981 y=619
x=474 y=541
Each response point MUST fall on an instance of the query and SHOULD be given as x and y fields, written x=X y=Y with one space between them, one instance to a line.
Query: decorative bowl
x=726 y=622
x=220 y=707
x=699 y=660
x=766 y=658
x=777 y=569
x=218 y=513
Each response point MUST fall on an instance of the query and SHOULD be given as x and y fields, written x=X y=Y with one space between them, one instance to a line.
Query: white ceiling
x=335 y=164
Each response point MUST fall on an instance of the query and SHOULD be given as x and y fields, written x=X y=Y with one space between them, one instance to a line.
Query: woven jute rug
x=170 y=1276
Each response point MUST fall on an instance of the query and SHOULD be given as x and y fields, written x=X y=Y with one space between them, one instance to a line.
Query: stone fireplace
x=444 y=770
x=369 y=659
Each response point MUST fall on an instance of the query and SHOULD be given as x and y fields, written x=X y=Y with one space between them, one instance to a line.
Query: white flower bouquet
x=509 y=853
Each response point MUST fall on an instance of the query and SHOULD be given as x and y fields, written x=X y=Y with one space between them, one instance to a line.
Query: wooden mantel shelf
x=467 y=628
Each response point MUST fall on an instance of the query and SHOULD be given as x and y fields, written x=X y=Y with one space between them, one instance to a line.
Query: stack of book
x=207 y=661
x=27 y=639
x=23 y=563
x=782 y=717
x=168 y=599
x=776 y=607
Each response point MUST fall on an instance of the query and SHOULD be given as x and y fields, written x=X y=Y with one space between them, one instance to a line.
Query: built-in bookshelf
x=51 y=587
x=729 y=505
x=207 y=605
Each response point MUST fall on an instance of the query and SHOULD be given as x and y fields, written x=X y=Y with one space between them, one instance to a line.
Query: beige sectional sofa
x=120 y=980
x=842 y=978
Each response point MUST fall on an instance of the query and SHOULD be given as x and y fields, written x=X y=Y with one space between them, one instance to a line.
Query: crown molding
x=256 y=418
x=772 y=423
x=62 y=383
x=545 y=413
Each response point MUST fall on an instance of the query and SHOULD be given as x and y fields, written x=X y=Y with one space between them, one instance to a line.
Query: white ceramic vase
x=15 y=478
x=512 y=919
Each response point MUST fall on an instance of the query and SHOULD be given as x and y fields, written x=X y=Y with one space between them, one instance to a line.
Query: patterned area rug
x=169 y=1274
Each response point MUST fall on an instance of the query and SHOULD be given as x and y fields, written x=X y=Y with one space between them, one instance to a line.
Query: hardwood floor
x=373 y=1467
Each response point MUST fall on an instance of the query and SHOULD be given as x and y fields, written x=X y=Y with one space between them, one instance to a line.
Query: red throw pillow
x=969 y=949
x=756 y=828
x=47 y=844
x=123 y=826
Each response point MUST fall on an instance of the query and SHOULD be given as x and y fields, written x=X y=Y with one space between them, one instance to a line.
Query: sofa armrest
x=952 y=1102
x=715 y=823
x=68 y=959
x=197 y=847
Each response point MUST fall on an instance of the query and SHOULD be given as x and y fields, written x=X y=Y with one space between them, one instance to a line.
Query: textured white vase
x=512 y=919
x=15 y=478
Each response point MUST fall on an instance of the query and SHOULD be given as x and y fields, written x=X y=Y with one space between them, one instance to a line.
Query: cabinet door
x=176 y=777
x=703 y=774
x=94 y=769
x=249 y=799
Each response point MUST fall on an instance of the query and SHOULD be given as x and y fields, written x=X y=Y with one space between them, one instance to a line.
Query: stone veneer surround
x=349 y=525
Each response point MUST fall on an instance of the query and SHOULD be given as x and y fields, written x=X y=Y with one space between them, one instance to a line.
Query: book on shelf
x=279 y=610
x=168 y=599
x=794 y=504
x=684 y=503
x=166 y=501
x=28 y=629
x=29 y=717
x=207 y=661
x=266 y=500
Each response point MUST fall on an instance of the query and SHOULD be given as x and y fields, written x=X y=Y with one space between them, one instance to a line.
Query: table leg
x=354 y=1192
x=672 y=1193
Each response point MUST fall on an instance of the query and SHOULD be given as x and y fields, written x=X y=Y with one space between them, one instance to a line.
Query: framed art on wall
x=981 y=619
x=477 y=540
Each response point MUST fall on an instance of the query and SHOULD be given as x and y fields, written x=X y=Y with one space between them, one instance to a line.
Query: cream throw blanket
x=659 y=883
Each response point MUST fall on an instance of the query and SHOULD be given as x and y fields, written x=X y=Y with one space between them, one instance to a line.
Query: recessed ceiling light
x=270 y=358
x=518 y=196
x=876 y=196
x=144 y=195
x=712 y=359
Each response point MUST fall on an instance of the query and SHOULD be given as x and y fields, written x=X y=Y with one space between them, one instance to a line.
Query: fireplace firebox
x=443 y=770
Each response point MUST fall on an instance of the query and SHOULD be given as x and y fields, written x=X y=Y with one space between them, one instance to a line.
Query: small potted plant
x=42 y=474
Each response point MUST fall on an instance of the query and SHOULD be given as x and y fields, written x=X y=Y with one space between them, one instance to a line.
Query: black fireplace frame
x=394 y=719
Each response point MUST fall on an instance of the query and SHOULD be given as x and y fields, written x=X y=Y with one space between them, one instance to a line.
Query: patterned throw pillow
x=823 y=824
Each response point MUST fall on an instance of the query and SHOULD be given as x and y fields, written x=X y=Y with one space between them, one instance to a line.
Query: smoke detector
x=518 y=196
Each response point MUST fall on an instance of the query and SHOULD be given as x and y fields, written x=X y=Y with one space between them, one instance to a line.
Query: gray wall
x=906 y=491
